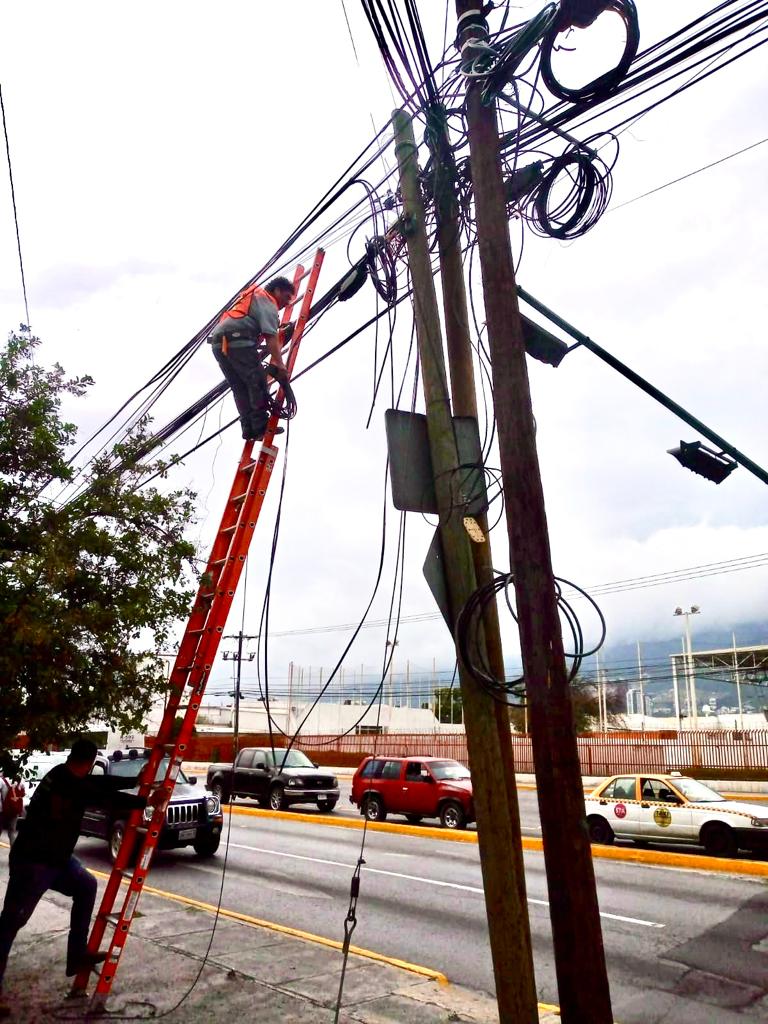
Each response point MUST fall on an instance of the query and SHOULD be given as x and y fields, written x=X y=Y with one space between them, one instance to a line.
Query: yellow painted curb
x=686 y=861
x=358 y=823
x=296 y=933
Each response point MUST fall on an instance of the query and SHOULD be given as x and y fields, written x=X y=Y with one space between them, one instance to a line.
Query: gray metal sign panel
x=410 y=465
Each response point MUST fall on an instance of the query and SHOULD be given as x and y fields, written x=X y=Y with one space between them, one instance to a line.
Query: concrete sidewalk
x=177 y=966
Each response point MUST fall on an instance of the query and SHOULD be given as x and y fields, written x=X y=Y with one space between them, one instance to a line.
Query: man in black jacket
x=41 y=858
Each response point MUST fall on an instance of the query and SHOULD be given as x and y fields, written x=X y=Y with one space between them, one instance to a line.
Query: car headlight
x=294 y=782
x=760 y=822
x=334 y=781
x=212 y=805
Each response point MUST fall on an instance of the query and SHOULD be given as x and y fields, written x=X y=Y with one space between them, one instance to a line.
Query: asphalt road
x=681 y=945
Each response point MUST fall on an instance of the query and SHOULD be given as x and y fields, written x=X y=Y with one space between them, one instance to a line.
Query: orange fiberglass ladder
x=192 y=667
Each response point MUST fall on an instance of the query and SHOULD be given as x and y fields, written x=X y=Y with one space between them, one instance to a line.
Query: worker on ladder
x=245 y=334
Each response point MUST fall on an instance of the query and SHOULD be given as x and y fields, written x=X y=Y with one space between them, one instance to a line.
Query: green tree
x=89 y=588
x=447 y=704
x=586 y=710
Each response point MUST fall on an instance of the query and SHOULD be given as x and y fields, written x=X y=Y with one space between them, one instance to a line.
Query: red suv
x=418 y=787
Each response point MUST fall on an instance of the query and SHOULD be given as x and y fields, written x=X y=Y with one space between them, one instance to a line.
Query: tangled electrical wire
x=472 y=652
x=283 y=402
x=571 y=194
x=581 y=14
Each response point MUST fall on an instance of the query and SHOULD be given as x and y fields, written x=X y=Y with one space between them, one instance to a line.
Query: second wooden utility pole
x=507 y=915
x=576 y=929
x=464 y=396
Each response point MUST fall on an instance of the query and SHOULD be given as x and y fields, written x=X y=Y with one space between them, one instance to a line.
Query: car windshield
x=295 y=759
x=130 y=768
x=696 y=792
x=448 y=770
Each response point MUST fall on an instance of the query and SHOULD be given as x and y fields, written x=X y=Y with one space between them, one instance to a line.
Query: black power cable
x=580 y=14
x=473 y=656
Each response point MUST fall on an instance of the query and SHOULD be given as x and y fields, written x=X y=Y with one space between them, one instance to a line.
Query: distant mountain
x=620 y=662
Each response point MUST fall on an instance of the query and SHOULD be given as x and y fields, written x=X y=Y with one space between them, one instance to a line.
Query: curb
x=683 y=861
x=296 y=933
x=354 y=823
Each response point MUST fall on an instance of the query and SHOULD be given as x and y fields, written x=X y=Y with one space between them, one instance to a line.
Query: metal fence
x=603 y=754
x=600 y=754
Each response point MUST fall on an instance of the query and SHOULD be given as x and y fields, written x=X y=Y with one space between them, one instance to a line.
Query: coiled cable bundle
x=382 y=268
x=572 y=193
x=472 y=651
x=581 y=14
x=288 y=408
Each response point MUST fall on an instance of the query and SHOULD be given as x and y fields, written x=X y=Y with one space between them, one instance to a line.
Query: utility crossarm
x=192 y=667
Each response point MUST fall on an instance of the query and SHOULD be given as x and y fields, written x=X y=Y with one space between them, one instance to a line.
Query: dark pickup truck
x=275 y=781
x=191 y=819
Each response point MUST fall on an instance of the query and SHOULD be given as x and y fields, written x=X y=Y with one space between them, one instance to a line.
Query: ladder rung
x=221 y=561
x=250 y=467
x=208 y=596
x=238 y=498
x=111 y=918
x=195 y=632
x=228 y=529
x=306 y=273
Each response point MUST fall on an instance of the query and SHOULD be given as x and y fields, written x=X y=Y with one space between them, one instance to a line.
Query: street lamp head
x=695 y=609
x=678 y=611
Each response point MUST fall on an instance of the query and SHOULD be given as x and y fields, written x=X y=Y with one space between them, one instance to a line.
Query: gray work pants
x=246 y=376
x=27 y=884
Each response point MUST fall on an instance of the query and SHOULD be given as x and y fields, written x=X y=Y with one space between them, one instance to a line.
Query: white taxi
x=670 y=808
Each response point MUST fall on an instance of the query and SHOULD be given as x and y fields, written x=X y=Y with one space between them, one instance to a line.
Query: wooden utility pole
x=464 y=396
x=579 y=953
x=507 y=915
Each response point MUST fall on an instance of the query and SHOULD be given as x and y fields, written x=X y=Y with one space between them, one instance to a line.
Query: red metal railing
x=601 y=754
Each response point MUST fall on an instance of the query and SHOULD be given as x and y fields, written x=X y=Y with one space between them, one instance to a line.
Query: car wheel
x=413 y=819
x=116 y=838
x=600 y=831
x=374 y=809
x=206 y=845
x=326 y=805
x=223 y=794
x=452 y=816
x=718 y=840
x=277 y=798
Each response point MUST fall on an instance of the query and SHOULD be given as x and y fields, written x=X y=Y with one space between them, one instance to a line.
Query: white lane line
x=427 y=881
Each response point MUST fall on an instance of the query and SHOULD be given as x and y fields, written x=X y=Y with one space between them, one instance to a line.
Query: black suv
x=191 y=819
x=274 y=778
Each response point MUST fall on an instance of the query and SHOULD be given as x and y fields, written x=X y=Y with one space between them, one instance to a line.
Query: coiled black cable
x=288 y=407
x=571 y=214
x=581 y=13
x=473 y=654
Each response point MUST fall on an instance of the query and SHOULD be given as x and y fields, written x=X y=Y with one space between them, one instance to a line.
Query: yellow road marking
x=296 y=933
x=686 y=861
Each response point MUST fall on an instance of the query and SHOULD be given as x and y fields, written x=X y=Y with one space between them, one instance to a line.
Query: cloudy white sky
x=163 y=151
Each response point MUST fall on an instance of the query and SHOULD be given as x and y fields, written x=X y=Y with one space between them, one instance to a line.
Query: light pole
x=237 y=656
x=393 y=644
x=693 y=610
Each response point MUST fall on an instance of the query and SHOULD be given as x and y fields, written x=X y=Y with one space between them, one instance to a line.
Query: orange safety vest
x=241 y=306
x=242 y=303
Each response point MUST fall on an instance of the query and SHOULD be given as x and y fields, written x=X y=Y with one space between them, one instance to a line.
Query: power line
x=619 y=586
x=690 y=174
x=15 y=211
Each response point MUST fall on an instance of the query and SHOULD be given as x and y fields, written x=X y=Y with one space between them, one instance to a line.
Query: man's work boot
x=88 y=963
x=258 y=435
